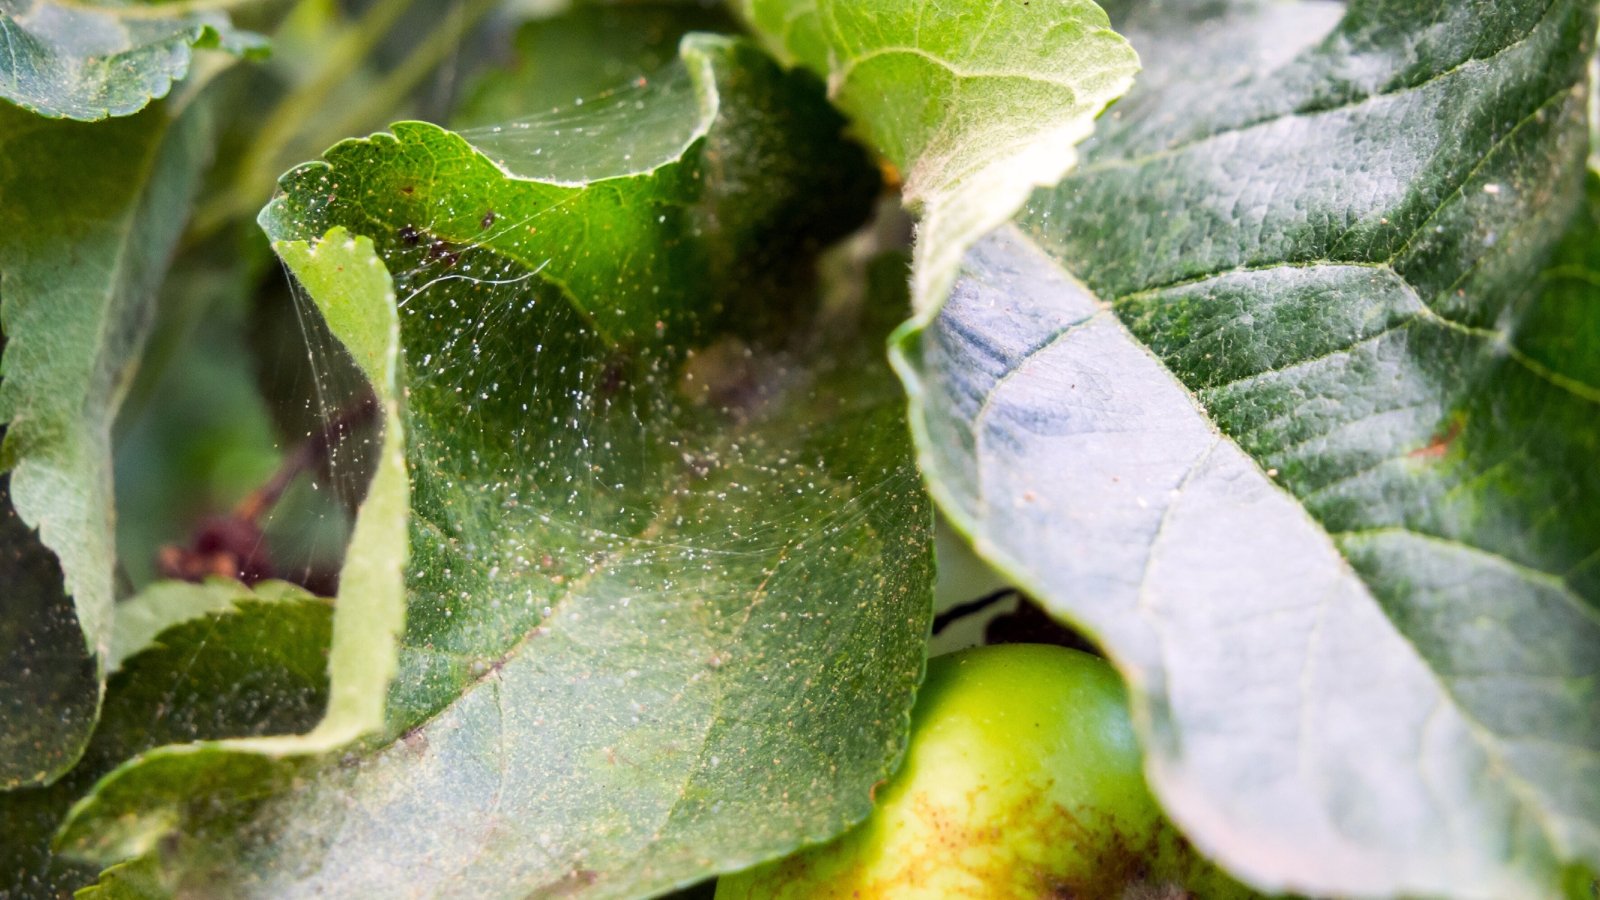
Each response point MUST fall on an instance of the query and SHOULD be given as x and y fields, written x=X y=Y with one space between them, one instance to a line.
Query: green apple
x=1022 y=778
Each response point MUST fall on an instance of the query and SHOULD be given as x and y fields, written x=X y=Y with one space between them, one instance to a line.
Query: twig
x=234 y=545
x=307 y=455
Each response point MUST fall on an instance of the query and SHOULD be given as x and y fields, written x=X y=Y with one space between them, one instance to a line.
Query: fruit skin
x=1022 y=778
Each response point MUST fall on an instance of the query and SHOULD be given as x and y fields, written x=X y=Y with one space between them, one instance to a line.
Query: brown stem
x=234 y=545
x=309 y=454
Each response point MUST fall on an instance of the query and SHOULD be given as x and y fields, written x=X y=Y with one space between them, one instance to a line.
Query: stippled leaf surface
x=1311 y=446
x=135 y=809
x=88 y=218
x=671 y=564
x=91 y=61
x=976 y=103
x=250 y=667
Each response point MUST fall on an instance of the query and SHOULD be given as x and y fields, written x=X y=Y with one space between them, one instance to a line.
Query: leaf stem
x=962 y=610
x=307 y=455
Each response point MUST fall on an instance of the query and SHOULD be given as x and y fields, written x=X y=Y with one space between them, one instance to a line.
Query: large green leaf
x=976 y=103
x=1312 y=446
x=88 y=217
x=247 y=668
x=671 y=563
x=91 y=61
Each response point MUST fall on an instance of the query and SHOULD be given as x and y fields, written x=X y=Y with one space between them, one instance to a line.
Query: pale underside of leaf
x=1174 y=546
x=86 y=227
x=77 y=61
x=1309 y=455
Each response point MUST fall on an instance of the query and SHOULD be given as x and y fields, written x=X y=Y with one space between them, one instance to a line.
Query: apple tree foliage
x=621 y=355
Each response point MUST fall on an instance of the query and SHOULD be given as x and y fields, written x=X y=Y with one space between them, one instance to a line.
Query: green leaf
x=257 y=668
x=1311 y=447
x=356 y=298
x=139 y=879
x=667 y=607
x=166 y=604
x=585 y=52
x=976 y=103
x=89 y=62
x=140 y=801
x=89 y=218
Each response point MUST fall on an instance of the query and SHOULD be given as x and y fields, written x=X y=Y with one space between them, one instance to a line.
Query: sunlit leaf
x=975 y=102
x=1312 y=446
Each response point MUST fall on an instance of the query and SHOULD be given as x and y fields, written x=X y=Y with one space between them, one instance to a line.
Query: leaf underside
x=86 y=228
x=81 y=62
x=1310 y=447
x=666 y=607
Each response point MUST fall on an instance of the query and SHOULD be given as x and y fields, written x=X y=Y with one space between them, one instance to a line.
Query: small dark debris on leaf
x=443 y=251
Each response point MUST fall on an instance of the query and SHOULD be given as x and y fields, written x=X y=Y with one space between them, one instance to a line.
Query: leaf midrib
x=1487 y=739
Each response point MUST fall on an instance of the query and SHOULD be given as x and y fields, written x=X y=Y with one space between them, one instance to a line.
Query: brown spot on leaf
x=1440 y=445
x=415 y=741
